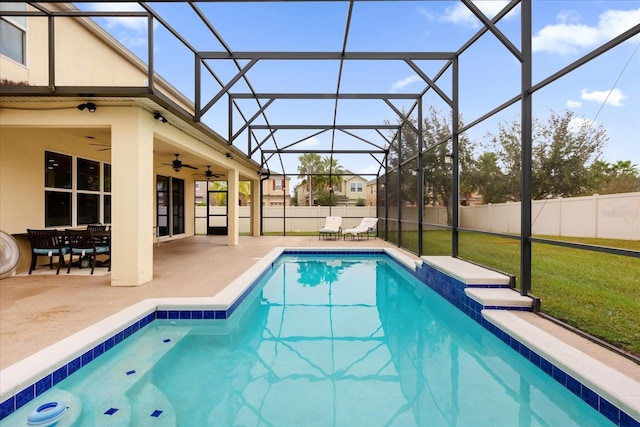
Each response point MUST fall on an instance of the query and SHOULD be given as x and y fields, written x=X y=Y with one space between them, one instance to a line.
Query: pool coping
x=30 y=372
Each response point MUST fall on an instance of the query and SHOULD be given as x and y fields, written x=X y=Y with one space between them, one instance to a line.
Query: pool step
x=109 y=403
x=499 y=298
x=111 y=409
x=488 y=288
x=152 y=408
x=469 y=274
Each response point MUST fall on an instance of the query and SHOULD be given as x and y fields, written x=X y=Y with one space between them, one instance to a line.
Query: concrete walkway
x=39 y=310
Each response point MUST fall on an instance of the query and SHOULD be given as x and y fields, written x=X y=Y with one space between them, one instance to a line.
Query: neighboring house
x=348 y=192
x=89 y=137
x=275 y=191
x=371 y=191
x=354 y=188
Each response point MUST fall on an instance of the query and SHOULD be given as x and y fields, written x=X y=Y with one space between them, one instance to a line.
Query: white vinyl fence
x=612 y=216
x=297 y=218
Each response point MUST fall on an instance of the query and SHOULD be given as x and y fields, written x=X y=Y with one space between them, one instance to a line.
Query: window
x=13 y=32
x=356 y=187
x=69 y=202
x=277 y=184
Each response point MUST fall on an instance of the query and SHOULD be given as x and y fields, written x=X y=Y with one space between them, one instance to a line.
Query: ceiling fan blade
x=189 y=166
x=104 y=149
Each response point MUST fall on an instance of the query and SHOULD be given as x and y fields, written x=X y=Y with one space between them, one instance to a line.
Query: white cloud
x=568 y=36
x=128 y=23
x=611 y=97
x=405 y=82
x=574 y=104
x=460 y=14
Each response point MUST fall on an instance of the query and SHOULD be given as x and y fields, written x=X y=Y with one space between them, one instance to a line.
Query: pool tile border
x=446 y=286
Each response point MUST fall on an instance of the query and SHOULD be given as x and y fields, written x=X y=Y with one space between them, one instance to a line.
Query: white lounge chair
x=332 y=227
x=366 y=226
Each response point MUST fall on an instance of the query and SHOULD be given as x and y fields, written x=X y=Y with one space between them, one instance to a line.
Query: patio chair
x=47 y=243
x=83 y=244
x=99 y=234
x=332 y=227
x=366 y=226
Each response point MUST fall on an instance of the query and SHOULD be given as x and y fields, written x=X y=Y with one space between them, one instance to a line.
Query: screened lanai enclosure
x=505 y=133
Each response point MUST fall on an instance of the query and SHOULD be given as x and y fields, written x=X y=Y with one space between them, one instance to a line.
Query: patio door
x=217 y=211
x=169 y=205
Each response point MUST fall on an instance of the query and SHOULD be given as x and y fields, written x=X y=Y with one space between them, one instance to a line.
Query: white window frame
x=22 y=27
x=74 y=189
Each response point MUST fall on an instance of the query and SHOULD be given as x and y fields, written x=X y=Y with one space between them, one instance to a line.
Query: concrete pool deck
x=39 y=310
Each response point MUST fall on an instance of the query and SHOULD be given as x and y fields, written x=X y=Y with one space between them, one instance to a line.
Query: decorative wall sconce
x=90 y=106
x=229 y=156
x=159 y=117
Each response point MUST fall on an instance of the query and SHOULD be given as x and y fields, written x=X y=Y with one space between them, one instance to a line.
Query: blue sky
x=606 y=91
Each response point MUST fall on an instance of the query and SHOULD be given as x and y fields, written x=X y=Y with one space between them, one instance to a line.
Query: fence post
x=596 y=214
x=560 y=216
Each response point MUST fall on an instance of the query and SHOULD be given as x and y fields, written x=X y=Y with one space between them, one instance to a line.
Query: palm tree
x=310 y=163
x=331 y=173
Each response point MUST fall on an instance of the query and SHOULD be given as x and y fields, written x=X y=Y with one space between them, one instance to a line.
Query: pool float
x=47 y=414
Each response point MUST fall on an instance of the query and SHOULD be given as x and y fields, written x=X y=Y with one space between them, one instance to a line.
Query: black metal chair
x=100 y=240
x=47 y=243
x=83 y=244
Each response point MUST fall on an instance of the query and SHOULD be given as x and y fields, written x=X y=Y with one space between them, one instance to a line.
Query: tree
x=437 y=161
x=507 y=147
x=330 y=172
x=310 y=163
x=437 y=171
x=326 y=198
x=621 y=177
x=488 y=179
x=563 y=149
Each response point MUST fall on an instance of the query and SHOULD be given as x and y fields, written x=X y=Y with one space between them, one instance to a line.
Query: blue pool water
x=327 y=341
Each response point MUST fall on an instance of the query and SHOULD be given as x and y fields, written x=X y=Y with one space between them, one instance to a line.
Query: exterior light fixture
x=414 y=172
x=159 y=117
x=448 y=158
x=229 y=156
x=90 y=106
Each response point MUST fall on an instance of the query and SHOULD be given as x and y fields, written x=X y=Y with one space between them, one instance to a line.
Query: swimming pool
x=329 y=340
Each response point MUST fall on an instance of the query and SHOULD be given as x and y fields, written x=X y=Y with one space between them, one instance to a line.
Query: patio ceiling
x=282 y=78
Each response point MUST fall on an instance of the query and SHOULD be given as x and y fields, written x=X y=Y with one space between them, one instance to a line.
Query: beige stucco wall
x=85 y=55
x=22 y=172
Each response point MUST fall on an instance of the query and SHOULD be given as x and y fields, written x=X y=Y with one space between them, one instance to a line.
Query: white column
x=255 y=207
x=233 y=199
x=132 y=199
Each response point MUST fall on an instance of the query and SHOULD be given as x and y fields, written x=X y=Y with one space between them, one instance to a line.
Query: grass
x=595 y=292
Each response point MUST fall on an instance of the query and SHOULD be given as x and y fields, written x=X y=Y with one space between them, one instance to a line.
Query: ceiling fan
x=177 y=164
x=209 y=173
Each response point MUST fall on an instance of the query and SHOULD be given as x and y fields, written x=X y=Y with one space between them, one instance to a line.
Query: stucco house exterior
x=350 y=190
x=275 y=191
x=89 y=135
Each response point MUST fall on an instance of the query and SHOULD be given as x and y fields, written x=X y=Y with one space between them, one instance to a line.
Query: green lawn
x=595 y=292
